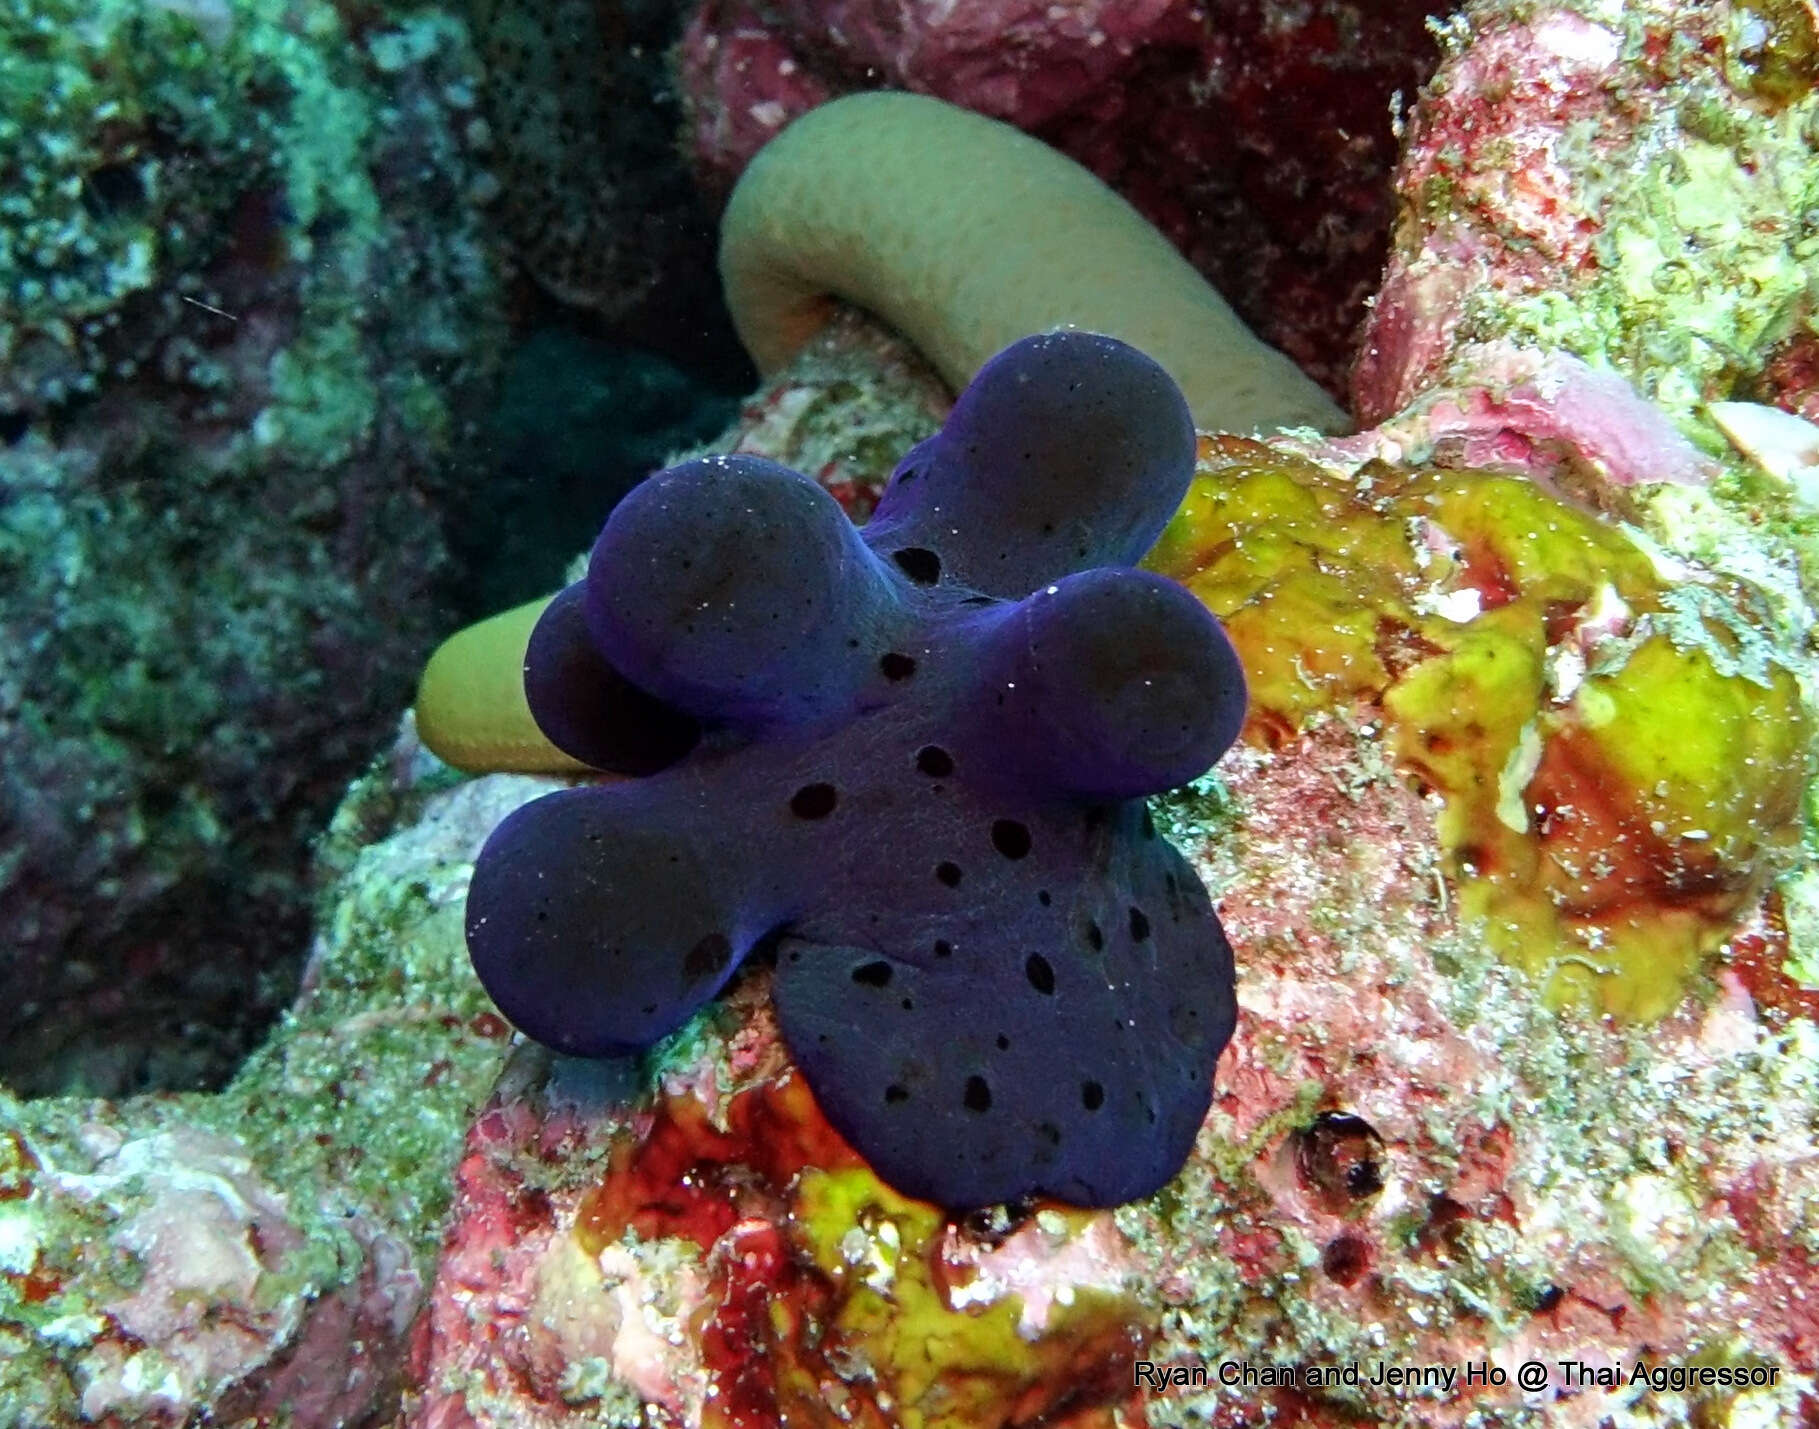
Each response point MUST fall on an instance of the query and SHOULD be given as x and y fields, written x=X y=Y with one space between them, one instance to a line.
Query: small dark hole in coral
x=13 y=427
x=813 y=801
x=708 y=958
x=649 y=1008
x=1446 y=1220
x=908 y=1004
x=1092 y=1096
x=1548 y=1299
x=948 y=873
x=895 y=666
x=1042 y=897
x=943 y=948
x=978 y=1096
x=907 y=475
x=1338 y=1158
x=1041 y=976
x=542 y=917
x=1140 y=926
x=1345 y=1260
x=1095 y=936
x=114 y=189
x=894 y=1094
x=873 y=974
x=1004 y=1043
x=919 y=563
x=1010 y=838
x=1050 y=1133
x=991 y=1226
x=934 y=761
x=978 y=600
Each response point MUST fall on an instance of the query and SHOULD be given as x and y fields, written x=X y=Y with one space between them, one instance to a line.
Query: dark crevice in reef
x=625 y=353
x=581 y=417
x=184 y=1022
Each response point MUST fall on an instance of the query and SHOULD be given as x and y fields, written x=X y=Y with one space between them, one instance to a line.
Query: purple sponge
x=912 y=760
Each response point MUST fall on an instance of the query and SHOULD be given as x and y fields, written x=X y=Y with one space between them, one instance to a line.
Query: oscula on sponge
x=910 y=760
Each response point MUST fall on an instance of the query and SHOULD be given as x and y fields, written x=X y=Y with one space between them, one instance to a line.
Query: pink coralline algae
x=1257 y=135
x=1629 y=183
x=1547 y=415
x=1487 y=136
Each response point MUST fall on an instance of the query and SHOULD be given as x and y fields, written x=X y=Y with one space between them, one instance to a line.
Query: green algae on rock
x=1623 y=758
x=246 y=306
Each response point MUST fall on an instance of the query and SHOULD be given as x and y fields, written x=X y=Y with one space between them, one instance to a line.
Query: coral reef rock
x=246 y=313
x=259 y=1255
x=1518 y=855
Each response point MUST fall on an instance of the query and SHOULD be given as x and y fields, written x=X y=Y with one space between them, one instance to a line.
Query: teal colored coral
x=129 y=131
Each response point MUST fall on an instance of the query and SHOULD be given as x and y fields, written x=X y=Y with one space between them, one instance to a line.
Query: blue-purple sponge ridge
x=911 y=760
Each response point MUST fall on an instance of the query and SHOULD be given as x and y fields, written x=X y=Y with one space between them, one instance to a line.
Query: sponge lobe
x=598 y=920
x=1069 y=450
x=736 y=590
x=1063 y=1047
x=586 y=708
x=1109 y=684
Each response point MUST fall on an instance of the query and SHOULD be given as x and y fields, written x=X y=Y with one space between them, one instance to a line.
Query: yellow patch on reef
x=942 y=1366
x=1619 y=756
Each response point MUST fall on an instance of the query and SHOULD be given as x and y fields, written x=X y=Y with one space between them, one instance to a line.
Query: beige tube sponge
x=965 y=234
x=471 y=709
